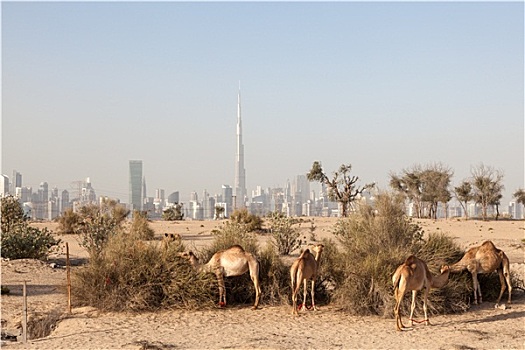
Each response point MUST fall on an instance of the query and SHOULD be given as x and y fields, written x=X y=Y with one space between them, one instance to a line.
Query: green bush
x=19 y=240
x=22 y=241
x=12 y=213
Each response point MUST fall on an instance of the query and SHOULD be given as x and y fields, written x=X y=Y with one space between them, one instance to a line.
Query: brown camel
x=485 y=259
x=233 y=261
x=303 y=269
x=414 y=275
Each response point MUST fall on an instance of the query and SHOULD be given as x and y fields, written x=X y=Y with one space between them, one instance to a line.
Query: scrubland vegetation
x=128 y=270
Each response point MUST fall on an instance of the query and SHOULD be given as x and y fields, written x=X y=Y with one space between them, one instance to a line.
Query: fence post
x=68 y=279
x=24 y=313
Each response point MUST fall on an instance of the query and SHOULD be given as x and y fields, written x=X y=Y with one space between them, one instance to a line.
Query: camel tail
x=396 y=278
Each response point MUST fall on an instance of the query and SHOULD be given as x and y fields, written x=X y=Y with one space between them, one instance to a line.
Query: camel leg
x=295 y=290
x=425 y=298
x=506 y=274
x=413 y=307
x=475 y=285
x=222 y=288
x=313 y=294
x=254 y=274
x=303 y=307
x=399 y=297
x=502 y=282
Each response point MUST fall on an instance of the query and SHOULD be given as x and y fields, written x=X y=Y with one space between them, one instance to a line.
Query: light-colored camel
x=414 y=275
x=233 y=261
x=303 y=269
x=485 y=258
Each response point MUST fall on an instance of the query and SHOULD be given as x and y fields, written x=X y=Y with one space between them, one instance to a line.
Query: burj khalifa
x=240 y=172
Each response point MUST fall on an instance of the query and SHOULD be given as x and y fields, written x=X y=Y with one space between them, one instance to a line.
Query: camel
x=414 y=275
x=303 y=269
x=485 y=258
x=233 y=261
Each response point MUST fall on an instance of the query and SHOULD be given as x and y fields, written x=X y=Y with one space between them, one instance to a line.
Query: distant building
x=227 y=199
x=16 y=181
x=173 y=198
x=240 y=192
x=4 y=185
x=135 y=185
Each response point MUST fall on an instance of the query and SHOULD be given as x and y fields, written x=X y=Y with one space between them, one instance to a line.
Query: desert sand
x=270 y=327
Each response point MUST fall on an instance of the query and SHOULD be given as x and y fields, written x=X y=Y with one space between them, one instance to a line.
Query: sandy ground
x=482 y=327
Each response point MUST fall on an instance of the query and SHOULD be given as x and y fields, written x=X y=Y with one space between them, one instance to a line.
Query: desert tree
x=409 y=184
x=424 y=187
x=173 y=213
x=342 y=188
x=487 y=184
x=519 y=195
x=463 y=193
x=219 y=212
x=435 y=180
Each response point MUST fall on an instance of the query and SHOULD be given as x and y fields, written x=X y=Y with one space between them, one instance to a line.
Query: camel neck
x=441 y=280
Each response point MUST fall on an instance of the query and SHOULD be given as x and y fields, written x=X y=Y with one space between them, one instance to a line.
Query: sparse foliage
x=285 y=234
x=219 y=212
x=173 y=213
x=464 y=195
x=242 y=216
x=140 y=226
x=98 y=223
x=424 y=187
x=487 y=184
x=342 y=187
x=519 y=195
x=69 y=222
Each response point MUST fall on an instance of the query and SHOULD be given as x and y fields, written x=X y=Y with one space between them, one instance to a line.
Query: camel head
x=318 y=248
x=192 y=259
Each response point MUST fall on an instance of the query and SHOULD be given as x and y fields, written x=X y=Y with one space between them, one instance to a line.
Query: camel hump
x=488 y=244
x=306 y=251
x=237 y=248
x=411 y=260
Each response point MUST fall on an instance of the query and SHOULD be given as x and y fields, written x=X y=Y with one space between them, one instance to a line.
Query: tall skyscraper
x=240 y=172
x=135 y=185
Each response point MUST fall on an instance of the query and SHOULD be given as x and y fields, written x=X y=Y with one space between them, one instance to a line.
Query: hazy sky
x=86 y=87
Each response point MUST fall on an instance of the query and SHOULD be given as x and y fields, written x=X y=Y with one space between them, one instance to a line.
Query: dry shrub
x=41 y=325
x=273 y=274
x=274 y=277
x=140 y=226
x=374 y=242
x=132 y=275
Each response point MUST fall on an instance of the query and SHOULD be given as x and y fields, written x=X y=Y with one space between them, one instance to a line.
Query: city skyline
x=382 y=86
